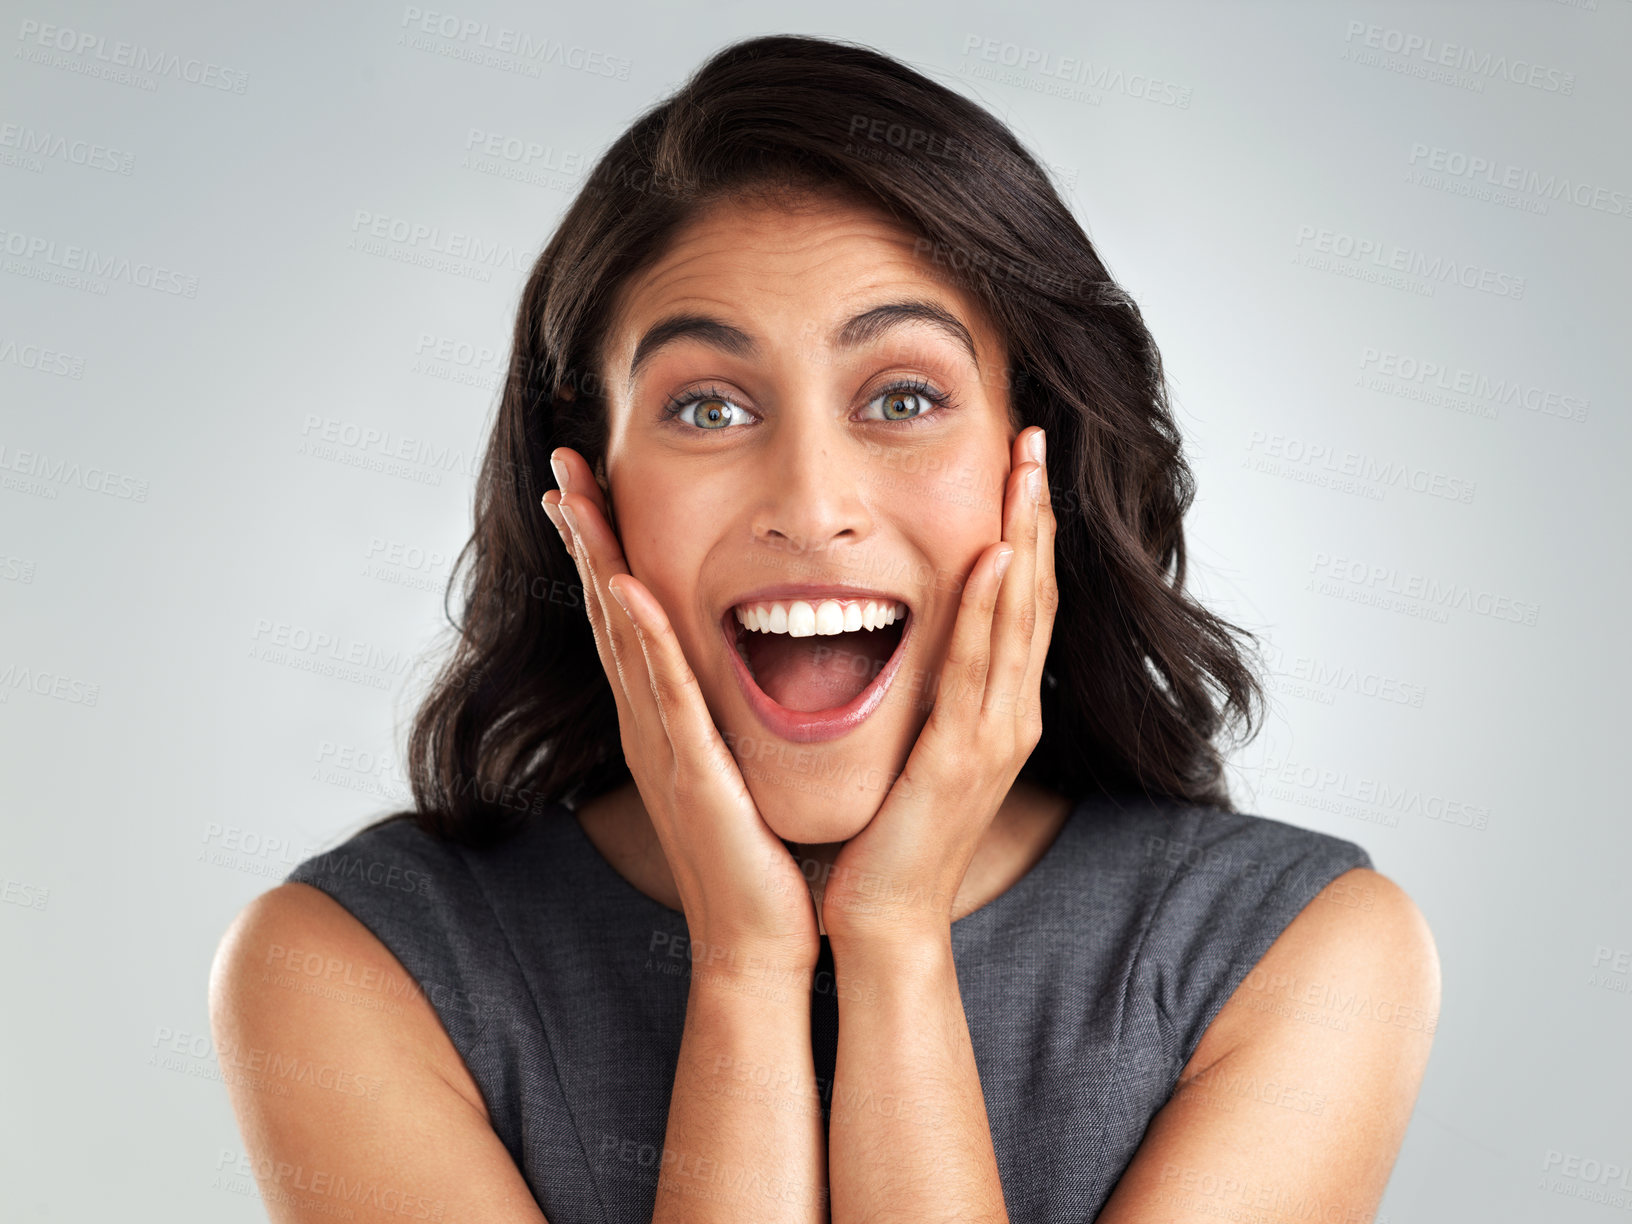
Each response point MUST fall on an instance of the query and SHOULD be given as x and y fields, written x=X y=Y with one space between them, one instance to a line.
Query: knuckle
x=663 y=691
x=672 y=691
x=972 y=671
x=1048 y=596
x=1032 y=727
x=682 y=790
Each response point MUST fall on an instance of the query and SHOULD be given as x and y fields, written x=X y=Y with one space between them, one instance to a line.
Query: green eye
x=898 y=401
x=713 y=410
x=716 y=411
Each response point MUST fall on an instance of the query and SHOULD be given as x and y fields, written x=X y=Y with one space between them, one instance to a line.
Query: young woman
x=823 y=818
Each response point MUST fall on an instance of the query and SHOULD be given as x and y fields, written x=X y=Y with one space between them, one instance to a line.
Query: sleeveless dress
x=1086 y=986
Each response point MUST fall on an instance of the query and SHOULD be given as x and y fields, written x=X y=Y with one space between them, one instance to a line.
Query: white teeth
x=801 y=618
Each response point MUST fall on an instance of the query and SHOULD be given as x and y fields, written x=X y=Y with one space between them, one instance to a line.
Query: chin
x=807 y=811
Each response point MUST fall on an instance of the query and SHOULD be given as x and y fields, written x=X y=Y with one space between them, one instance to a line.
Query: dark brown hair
x=1141 y=680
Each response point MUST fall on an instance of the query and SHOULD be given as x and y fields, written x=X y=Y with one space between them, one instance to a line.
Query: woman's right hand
x=745 y=899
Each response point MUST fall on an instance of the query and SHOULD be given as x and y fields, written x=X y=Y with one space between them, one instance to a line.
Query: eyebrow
x=864 y=328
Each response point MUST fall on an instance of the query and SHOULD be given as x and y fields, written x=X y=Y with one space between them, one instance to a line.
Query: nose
x=810 y=486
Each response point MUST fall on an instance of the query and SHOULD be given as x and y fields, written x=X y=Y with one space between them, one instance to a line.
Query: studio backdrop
x=260 y=266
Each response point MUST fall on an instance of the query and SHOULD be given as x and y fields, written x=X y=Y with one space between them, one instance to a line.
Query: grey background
x=1448 y=670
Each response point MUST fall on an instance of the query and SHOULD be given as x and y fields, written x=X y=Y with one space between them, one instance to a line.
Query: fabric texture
x=1086 y=985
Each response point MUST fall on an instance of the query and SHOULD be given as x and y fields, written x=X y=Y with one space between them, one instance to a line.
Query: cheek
x=664 y=538
x=950 y=507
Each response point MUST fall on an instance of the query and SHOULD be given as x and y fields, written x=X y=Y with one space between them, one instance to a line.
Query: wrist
x=901 y=951
x=774 y=971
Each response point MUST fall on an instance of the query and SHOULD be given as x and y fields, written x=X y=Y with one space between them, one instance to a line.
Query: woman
x=826 y=820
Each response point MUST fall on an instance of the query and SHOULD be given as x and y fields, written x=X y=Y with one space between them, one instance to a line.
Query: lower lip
x=814 y=726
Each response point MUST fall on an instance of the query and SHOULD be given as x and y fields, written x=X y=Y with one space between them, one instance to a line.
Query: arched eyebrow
x=864 y=328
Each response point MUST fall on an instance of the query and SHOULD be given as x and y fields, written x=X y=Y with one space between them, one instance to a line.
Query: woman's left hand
x=897 y=878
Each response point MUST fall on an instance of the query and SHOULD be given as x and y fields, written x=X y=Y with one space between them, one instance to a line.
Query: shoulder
x=390 y=858
x=297 y=970
x=336 y=1062
x=1306 y=1079
x=418 y=895
x=422 y=899
x=1210 y=891
x=1357 y=965
x=1166 y=842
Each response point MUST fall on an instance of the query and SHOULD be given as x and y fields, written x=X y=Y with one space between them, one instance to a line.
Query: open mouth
x=813 y=669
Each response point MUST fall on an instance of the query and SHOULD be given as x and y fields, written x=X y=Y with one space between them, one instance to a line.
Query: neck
x=1020 y=833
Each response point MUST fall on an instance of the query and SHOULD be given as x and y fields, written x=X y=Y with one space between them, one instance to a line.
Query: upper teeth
x=800 y=618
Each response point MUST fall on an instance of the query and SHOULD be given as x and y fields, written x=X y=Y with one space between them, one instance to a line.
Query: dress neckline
x=1026 y=885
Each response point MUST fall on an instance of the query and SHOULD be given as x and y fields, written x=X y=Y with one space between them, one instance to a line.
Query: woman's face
x=804 y=348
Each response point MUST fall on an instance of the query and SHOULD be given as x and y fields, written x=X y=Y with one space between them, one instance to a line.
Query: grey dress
x=1087 y=986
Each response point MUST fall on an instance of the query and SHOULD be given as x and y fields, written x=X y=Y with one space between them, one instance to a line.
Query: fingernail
x=560 y=470
x=572 y=521
x=618 y=595
x=555 y=517
x=1002 y=565
x=1037 y=446
x=1034 y=482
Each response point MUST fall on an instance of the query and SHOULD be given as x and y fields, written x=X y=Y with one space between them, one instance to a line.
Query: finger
x=1048 y=601
x=550 y=501
x=1016 y=615
x=960 y=695
x=599 y=555
x=674 y=689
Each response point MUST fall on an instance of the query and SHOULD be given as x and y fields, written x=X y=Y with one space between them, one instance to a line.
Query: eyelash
x=943 y=401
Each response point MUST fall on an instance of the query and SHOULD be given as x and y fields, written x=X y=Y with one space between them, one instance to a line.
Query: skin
x=808 y=491
x=811 y=493
x=678 y=529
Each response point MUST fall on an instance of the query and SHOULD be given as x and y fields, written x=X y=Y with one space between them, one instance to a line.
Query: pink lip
x=813 y=726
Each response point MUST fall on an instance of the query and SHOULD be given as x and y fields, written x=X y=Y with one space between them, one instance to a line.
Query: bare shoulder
x=295 y=960
x=1305 y=1081
x=1360 y=950
x=346 y=1086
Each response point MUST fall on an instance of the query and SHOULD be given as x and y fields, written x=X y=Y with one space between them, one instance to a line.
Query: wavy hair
x=1141 y=681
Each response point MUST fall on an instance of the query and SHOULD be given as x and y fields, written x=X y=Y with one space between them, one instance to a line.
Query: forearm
x=745 y=1139
x=909 y=1139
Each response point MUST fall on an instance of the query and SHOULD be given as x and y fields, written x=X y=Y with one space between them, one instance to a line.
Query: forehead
x=802 y=264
